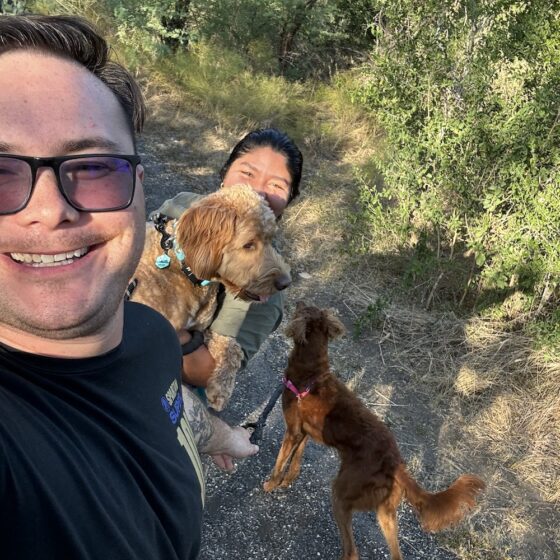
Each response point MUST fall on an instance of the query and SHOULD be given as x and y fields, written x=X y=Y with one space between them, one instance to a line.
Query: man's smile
x=49 y=260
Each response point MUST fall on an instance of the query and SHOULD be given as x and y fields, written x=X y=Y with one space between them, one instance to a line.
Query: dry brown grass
x=500 y=405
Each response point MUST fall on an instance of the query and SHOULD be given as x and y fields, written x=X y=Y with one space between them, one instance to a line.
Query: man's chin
x=64 y=321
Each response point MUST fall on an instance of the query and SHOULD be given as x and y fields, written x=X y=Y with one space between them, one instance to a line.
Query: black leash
x=167 y=243
x=258 y=426
x=160 y=221
x=131 y=287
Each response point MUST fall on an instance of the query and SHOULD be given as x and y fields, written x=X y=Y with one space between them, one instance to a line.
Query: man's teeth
x=39 y=260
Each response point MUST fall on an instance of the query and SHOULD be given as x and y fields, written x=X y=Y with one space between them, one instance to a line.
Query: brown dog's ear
x=335 y=328
x=296 y=330
x=202 y=233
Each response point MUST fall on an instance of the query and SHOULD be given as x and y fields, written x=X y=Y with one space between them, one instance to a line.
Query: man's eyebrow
x=254 y=168
x=88 y=143
x=69 y=146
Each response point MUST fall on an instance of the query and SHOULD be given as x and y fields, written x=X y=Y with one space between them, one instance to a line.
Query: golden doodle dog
x=224 y=238
x=372 y=474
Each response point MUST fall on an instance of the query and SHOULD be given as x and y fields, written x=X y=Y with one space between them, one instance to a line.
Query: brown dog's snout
x=282 y=282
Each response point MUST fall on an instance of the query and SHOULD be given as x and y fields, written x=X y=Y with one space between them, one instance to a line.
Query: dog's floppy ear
x=296 y=330
x=335 y=328
x=202 y=233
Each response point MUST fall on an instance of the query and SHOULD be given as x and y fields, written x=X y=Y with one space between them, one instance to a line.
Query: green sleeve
x=175 y=206
x=249 y=323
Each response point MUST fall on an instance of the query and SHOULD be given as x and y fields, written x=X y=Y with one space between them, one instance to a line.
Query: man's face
x=53 y=107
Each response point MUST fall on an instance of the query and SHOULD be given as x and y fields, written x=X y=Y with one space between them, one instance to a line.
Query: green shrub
x=371 y=318
x=468 y=97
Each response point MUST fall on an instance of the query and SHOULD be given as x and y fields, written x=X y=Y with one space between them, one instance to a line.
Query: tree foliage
x=298 y=38
x=467 y=93
x=12 y=6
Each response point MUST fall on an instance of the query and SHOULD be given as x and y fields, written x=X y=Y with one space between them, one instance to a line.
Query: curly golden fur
x=226 y=238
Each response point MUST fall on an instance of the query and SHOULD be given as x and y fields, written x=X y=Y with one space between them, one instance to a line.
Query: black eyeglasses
x=89 y=182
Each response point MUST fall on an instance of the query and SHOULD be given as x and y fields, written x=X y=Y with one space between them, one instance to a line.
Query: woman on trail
x=270 y=162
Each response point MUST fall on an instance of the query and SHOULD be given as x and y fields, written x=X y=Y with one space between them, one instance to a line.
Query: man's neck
x=81 y=347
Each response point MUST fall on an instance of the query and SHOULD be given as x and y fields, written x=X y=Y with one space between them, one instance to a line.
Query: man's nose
x=47 y=204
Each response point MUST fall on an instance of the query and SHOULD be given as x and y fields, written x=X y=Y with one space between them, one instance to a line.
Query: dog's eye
x=249 y=246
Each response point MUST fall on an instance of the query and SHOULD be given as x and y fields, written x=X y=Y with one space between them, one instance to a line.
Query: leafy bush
x=297 y=38
x=12 y=6
x=468 y=96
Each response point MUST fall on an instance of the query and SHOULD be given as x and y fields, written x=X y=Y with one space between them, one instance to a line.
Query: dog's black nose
x=282 y=282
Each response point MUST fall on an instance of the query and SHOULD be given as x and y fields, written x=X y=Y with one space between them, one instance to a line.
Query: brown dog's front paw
x=269 y=486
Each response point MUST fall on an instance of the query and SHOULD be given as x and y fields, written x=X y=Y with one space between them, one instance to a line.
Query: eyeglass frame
x=54 y=163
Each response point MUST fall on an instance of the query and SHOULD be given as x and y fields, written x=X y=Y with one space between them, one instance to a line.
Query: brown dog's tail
x=442 y=509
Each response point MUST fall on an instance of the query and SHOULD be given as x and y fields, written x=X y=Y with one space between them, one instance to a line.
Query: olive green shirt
x=249 y=323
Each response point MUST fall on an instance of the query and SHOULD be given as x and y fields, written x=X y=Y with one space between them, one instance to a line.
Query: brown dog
x=226 y=238
x=372 y=474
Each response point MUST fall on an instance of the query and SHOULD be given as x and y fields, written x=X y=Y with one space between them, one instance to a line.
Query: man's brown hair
x=76 y=39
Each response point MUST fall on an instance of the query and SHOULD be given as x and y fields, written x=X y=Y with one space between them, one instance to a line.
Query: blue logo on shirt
x=172 y=402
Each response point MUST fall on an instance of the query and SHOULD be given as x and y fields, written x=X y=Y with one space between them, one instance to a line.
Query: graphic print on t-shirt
x=172 y=403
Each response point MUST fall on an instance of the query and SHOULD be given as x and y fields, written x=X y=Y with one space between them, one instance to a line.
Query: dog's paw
x=227 y=356
x=217 y=402
x=269 y=486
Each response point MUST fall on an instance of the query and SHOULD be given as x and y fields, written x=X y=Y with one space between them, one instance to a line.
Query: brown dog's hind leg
x=289 y=446
x=342 y=512
x=387 y=518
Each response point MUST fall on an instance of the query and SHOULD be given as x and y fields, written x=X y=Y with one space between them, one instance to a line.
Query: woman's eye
x=247 y=173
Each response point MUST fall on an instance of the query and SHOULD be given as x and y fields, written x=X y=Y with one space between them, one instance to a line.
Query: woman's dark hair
x=76 y=39
x=277 y=140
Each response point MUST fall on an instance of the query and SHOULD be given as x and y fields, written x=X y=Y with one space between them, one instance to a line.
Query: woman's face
x=266 y=170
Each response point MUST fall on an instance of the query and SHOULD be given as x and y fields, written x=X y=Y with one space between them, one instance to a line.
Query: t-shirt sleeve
x=249 y=323
x=175 y=206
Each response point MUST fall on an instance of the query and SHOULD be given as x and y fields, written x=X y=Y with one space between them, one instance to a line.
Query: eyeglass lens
x=15 y=183
x=96 y=183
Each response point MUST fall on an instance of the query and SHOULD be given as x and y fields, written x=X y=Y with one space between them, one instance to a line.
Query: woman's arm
x=249 y=324
x=198 y=365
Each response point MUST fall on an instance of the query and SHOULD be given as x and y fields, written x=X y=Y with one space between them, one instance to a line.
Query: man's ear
x=202 y=233
x=335 y=328
x=296 y=330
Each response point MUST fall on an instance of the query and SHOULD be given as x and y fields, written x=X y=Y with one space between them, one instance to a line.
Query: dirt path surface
x=185 y=152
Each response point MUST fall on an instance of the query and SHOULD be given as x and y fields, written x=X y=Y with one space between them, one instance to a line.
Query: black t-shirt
x=95 y=454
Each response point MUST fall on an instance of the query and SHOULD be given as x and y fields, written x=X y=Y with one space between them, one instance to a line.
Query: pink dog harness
x=299 y=394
